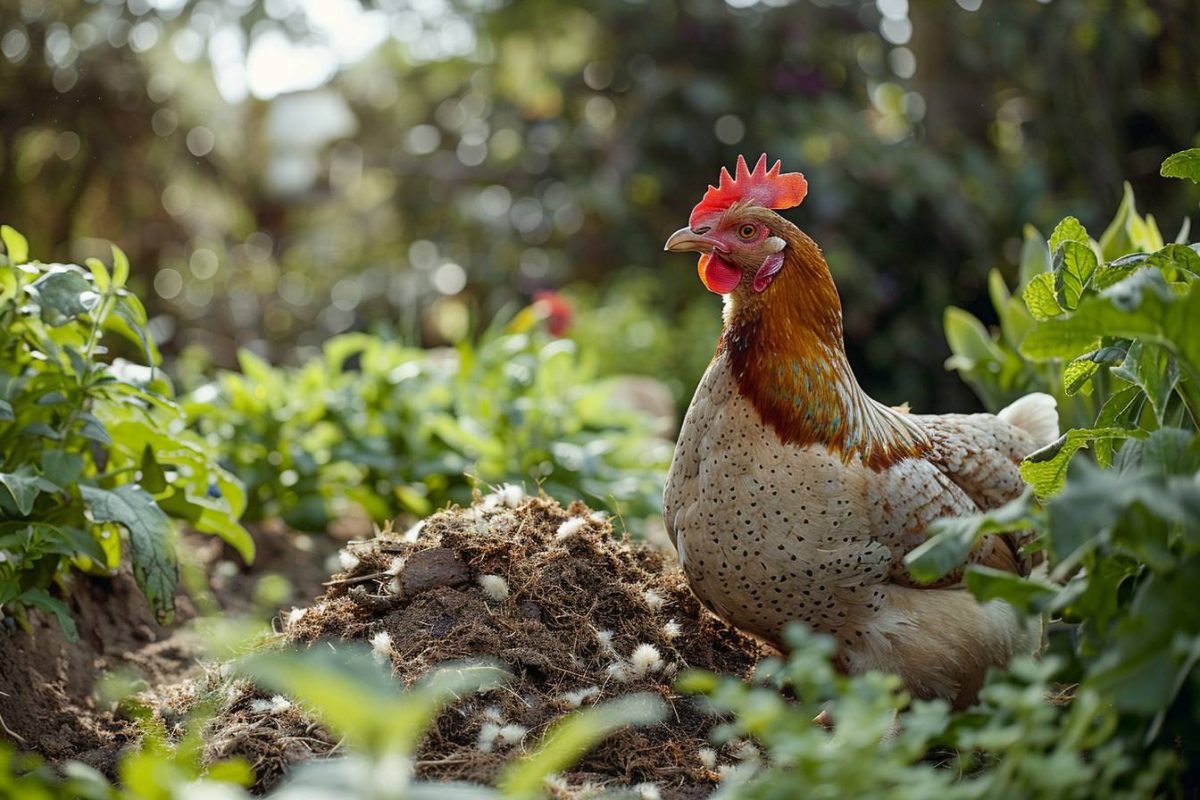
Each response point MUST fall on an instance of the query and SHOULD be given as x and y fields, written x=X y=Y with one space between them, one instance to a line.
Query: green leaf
x=1035 y=255
x=569 y=738
x=1077 y=375
x=967 y=337
x=6 y=411
x=1069 y=230
x=99 y=274
x=1039 y=296
x=1153 y=369
x=40 y=599
x=1025 y=594
x=1046 y=470
x=14 y=244
x=23 y=486
x=120 y=267
x=61 y=467
x=1073 y=268
x=63 y=294
x=1131 y=309
x=1115 y=241
x=1185 y=164
x=151 y=540
x=952 y=539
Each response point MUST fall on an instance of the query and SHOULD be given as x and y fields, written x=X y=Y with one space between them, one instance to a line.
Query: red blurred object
x=555 y=309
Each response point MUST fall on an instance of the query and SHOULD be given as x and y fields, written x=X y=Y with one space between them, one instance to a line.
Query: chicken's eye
x=747 y=231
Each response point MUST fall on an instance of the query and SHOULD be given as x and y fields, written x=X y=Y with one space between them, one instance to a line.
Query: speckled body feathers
x=770 y=531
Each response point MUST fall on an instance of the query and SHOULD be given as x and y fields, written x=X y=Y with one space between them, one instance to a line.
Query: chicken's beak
x=685 y=240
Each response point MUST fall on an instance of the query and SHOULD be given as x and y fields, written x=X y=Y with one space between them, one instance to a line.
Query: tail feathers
x=1036 y=414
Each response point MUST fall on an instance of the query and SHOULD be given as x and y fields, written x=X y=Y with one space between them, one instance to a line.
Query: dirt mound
x=577 y=615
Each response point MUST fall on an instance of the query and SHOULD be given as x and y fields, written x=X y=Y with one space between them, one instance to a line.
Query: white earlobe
x=775 y=244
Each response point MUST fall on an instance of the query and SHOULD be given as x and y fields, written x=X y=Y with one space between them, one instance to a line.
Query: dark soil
x=577 y=608
x=579 y=602
x=48 y=685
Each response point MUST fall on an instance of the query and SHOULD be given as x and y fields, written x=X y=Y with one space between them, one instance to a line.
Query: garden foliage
x=92 y=446
x=398 y=429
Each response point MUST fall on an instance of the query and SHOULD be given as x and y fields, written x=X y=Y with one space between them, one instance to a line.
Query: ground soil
x=49 y=686
x=578 y=602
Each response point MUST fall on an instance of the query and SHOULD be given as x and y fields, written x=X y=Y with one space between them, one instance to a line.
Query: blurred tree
x=286 y=170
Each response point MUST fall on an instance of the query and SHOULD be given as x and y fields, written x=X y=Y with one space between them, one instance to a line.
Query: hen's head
x=741 y=239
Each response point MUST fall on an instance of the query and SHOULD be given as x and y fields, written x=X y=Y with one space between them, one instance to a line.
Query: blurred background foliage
x=284 y=171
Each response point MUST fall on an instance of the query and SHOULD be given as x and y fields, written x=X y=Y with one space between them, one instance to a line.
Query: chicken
x=793 y=495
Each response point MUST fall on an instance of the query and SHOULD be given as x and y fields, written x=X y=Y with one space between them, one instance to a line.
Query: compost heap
x=577 y=615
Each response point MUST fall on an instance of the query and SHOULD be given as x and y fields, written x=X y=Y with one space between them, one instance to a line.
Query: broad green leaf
x=968 y=338
x=63 y=295
x=1131 y=309
x=1074 y=265
x=1177 y=262
x=24 y=486
x=1120 y=410
x=14 y=244
x=951 y=539
x=1154 y=370
x=62 y=467
x=1077 y=375
x=570 y=738
x=151 y=540
x=41 y=599
x=1046 y=470
x=1029 y=595
x=1069 y=230
x=6 y=411
x=1185 y=164
x=1040 y=297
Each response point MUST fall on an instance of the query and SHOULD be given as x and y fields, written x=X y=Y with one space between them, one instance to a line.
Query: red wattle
x=718 y=275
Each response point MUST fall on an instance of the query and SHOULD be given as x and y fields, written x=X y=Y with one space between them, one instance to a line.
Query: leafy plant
x=398 y=429
x=1109 y=326
x=1014 y=743
x=90 y=447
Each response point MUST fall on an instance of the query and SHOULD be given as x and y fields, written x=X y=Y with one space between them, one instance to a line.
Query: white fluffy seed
x=295 y=615
x=488 y=732
x=511 y=495
x=598 y=517
x=275 y=705
x=492 y=713
x=512 y=733
x=381 y=646
x=647 y=791
x=654 y=600
x=395 y=566
x=347 y=560
x=708 y=757
x=578 y=697
x=570 y=528
x=494 y=586
x=645 y=659
x=605 y=639
x=618 y=671
x=671 y=629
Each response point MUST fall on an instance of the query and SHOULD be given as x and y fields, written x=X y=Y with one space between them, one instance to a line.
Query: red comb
x=762 y=186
